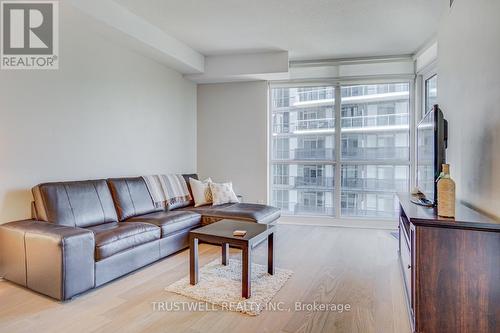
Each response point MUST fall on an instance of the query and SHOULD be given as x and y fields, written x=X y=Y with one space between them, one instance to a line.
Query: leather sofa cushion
x=181 y=204
x=239 y=211
x=112 y=238
x=76 y=204
x=170 y=222
x=131 y=197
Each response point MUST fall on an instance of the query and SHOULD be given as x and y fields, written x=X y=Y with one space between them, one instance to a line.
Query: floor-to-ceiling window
x=369 y=161
x=302 y=152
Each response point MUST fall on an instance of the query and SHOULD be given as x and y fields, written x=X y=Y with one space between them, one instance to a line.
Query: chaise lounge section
x=87 y=233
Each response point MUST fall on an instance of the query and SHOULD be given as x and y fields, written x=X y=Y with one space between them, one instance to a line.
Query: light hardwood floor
x=331 y=265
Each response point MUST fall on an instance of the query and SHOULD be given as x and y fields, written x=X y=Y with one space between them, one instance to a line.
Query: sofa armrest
x=54 y=260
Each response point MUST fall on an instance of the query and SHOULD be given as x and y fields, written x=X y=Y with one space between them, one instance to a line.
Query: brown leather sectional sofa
x=87 y=233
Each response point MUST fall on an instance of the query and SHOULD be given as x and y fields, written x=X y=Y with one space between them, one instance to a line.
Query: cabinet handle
x=409 y=266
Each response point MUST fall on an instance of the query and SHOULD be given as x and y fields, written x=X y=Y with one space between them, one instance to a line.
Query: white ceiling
x=308 y=29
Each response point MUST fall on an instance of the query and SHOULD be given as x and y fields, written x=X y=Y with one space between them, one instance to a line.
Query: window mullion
x=338 y=142
x=412 y=133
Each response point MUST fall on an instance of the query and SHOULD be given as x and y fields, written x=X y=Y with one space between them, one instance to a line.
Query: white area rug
x=221 y=285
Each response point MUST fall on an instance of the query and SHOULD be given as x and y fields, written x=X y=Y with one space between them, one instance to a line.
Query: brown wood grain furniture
x=451 y=269
x=222 y=233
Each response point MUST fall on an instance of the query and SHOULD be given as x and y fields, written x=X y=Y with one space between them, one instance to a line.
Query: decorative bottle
x=445 y=193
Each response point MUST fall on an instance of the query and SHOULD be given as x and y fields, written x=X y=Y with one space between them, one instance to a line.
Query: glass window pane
x=374 y=129
x=430 y=93
x=375 y=122
x=369 y=190
x=303 y=189
x=302 y=149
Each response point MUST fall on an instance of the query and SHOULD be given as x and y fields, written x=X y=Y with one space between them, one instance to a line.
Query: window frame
x=338 y=162
x=425 y=74
x=425 y=79
x=419 y=91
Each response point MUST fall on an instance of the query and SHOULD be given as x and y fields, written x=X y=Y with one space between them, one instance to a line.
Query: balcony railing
x=313 y=210
x=281 y=129
x=284 y=205
x=368 y=213
x=282 y=102
x=301 y=154
x=354 y=184
x=297 y=208
x=300 y=182
x=304 y=125
x=281 y=180
x=356 y=204
x=316 y=94
x=367 y=90
x=382 y=185
x=314 y=182
x=282 y=154
x=314 y=154
x=376 y=153
x=375 y=120
x=314 y=124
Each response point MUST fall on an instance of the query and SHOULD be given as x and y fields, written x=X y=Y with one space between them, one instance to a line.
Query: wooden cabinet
x=450 y=269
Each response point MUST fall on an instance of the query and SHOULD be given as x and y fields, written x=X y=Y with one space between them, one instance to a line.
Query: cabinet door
x=405 y=252
x=406 y=266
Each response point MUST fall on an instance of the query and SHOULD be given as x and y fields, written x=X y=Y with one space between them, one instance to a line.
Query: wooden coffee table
x=221 y=232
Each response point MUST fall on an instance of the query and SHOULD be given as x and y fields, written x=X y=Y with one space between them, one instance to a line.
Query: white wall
x=232 y=136
x=469 y=93
x=106 y=112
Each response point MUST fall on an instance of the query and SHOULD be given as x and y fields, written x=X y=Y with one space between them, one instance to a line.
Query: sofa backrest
x=78 y=203
x=131 y=197
x=181 y=204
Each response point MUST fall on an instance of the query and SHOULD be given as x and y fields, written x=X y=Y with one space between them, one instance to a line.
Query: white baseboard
x=344 y=222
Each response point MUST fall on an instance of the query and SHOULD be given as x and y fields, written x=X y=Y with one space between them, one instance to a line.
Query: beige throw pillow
x=201 y=191
x=223 y=193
